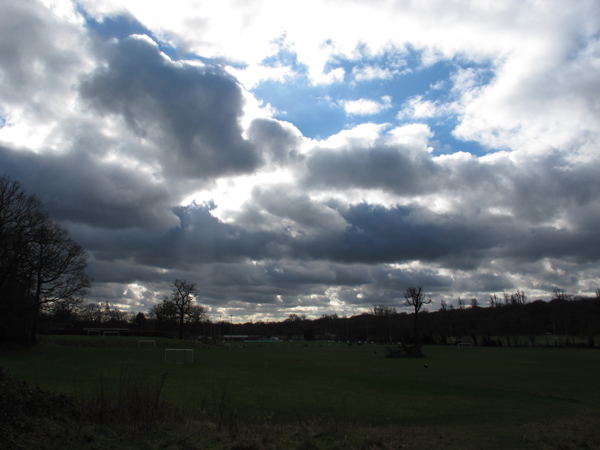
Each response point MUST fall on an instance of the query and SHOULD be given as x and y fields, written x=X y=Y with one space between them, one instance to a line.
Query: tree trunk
x=36 y=309
x=34 y=322
x=181 y=317
x=417 y=337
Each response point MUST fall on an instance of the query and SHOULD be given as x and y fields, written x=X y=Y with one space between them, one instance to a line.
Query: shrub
x=404 y=351
x=24 y=409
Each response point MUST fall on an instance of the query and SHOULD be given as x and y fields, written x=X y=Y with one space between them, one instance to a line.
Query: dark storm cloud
x=482 y=282
x=199 y=238
x=550 y=186
x=398 y=169
x=189 y=112
x=394 y=279
x=542 y=206
x=535 y=190
x=80 y=188
x=374 y=235
x=277 y=143
x=124 y=272
x=385 y=235
x=549 y=242
x=377 y=235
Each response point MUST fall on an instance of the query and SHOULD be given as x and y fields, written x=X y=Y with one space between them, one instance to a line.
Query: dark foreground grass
x=289 y=396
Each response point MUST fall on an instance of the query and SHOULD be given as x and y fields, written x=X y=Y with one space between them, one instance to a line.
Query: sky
x=310 y=157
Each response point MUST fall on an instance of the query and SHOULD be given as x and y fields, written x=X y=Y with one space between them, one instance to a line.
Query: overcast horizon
x=310 y=157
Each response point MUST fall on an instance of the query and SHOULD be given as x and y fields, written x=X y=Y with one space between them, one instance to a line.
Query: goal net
x=148 y=345
x=179 y=355
x=111 y=334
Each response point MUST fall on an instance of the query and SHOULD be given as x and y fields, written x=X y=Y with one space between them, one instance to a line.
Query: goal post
x=146 y=344
x=459 y=344
x=179 y=355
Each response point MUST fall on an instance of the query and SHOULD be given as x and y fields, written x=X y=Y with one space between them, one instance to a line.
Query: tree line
x=509 y=320
x=177 y=315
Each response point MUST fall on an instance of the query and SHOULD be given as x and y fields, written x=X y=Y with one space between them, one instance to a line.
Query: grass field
x=480 y=398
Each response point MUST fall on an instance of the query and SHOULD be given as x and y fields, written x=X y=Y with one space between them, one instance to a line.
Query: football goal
x=111 y=334
x=147 y=345
x=179 y=355
x=460 y=344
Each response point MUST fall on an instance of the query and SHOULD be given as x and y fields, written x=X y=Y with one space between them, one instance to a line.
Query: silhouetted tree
x=381 y=310
x=164 y=315
x=183 y=296
x=415 y=297
x=56 y=268
x=40 y=265
x=140 y=320
x=518 y=298
x=91 y=312
x=559 y=294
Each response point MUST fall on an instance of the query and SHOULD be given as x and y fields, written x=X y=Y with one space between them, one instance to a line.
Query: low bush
x=26 y=411
x=404 y=351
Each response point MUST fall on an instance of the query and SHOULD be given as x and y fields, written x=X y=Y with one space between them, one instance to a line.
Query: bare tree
x=382 y=310
x=56 y=269
x=518 y=298
x=196 y=318
x=559 y=294
x=183 y=296
x=415 y=297
x=40 y=265
x=164 y=314
x=20 y=215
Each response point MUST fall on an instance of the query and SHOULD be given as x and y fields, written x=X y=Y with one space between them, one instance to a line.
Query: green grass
x=500 y=397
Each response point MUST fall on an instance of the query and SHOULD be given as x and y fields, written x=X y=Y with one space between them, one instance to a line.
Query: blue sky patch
x=318 y=110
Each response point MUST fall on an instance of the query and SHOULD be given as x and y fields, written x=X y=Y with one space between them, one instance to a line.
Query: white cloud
x=253 y=75
x=365 y=134
x=333 y=76
x=365 y=107
x=414 y=135
x=535 y=105
x=372 y=73
x=417 y=108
